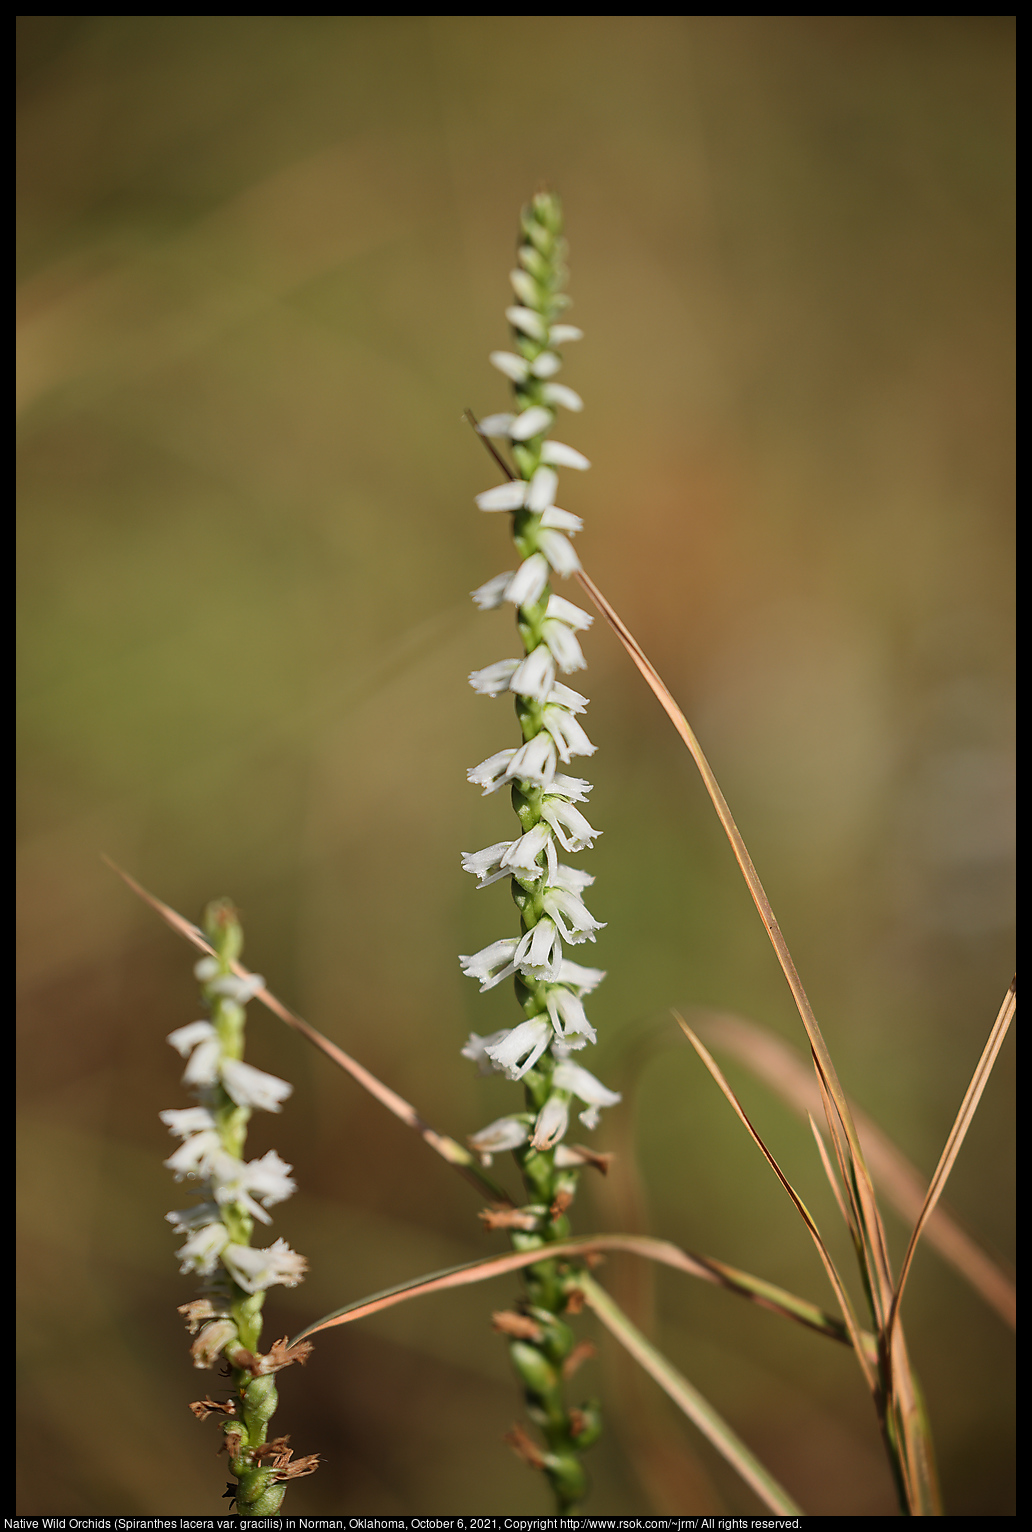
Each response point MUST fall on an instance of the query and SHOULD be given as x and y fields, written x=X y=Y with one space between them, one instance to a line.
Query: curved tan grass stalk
x=776 y=1063
x=448 y=1148
x=698 y=1410
x=764 y=1294
x=855 y=1333
x=906 y=1440
x=958 y=1133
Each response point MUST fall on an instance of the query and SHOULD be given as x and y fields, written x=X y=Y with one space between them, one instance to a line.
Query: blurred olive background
x=262 y=262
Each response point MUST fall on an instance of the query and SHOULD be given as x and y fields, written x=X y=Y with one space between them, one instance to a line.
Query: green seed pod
x=557 y=1340
x=255 y=1489
x=260 y=1401
x=270 y=1500
x=539 y=1376
x=568 y=1478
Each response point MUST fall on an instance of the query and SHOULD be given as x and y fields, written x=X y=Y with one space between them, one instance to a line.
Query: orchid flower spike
x=548 y=894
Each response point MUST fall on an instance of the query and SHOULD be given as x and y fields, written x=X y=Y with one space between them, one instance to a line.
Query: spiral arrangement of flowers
x=548 y=894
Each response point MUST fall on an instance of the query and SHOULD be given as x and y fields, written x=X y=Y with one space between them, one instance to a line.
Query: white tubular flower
x=535 y=677
x=494 y=679
x=535 y=761
x=513 y=366
x=495 y=425
x=552 y=1122
x=570 y=739
x=568 y=1016
x=566 y=612
x=525 y=288
x=207 y=969
x=504 y=497
x=204 y=1247
x=236 y=988
x=492 y=593
x=565 y=696
x=528 y=322
x=541 y=489
x=505 y=1133
x=491 y=964
x=476 y=1051
x=564 y=648
x=185 y=1039
x=202 y=1070
x=540 y=951
x=562 y=521
x=583 y=1085
x=559 y=334
x=562 y=456
x=545 y=366
x=252 y=1087
x=194 y=1155
x=558 y=393
x=572 y=879
x=529 y=581
x=581 y=980
x=522 y=855
x=182 y=1121
x=558 y=550
x=519 y=1050
x=255 y=1270
x=571 y=828
x=492 y=773
x=572 y=917
x=532 y=422
x=486 y=864
x=194 y=1218
x=268 y=1178
x=573 y=789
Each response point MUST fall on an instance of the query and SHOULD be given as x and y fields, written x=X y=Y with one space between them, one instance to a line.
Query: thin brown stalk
x=957 y=1134
x=838 y=1287
x=448 y=1148
x=907 y=1440
x=783 y=1069
x=764 y=1294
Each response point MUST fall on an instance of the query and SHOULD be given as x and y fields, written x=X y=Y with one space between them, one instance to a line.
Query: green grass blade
x=687 y=1398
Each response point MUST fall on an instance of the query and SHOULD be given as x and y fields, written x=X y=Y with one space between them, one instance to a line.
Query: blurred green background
x=262 y=262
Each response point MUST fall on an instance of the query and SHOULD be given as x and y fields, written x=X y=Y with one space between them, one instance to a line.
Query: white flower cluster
x=235 y=1192
x=548 y=893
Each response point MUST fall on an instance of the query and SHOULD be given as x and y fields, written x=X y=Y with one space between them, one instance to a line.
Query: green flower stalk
x=227 y=1320
x=550 y=988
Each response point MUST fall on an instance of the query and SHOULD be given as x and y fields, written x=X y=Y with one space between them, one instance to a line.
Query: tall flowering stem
x=548 y=894
x=227 y=1319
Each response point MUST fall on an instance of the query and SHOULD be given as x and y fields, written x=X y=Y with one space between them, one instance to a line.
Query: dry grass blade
x=781 y=1067
x=839 y=1121
x=957 y=1134
x=765 y=1294
x=699 y=1411
x=855 y=1333
x=448 y=1148
x=834 y=1182
x=679 y=1389
x=908 y=1443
